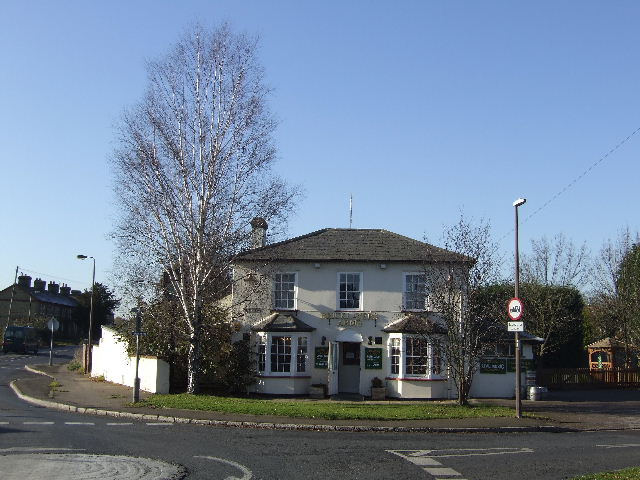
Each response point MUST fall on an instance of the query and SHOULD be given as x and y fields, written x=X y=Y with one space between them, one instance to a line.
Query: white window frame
x=431 y=367
x=266 y=339
x=405 y=293
x=360 y=291
x=295 y=291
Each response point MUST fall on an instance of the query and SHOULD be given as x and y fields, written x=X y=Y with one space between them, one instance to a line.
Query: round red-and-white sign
x=515 y=309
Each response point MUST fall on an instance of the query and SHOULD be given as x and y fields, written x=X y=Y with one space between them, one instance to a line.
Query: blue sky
x=419 y=109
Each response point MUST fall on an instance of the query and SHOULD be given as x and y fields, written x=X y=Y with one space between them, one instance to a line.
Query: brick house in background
x=24 y=304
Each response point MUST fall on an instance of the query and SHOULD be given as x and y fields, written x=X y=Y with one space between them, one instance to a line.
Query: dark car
x=20 y=339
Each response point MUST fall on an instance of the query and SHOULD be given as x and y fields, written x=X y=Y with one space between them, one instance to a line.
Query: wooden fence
x=584 y=378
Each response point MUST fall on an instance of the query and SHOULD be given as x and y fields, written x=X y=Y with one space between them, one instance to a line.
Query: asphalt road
x=38 y=443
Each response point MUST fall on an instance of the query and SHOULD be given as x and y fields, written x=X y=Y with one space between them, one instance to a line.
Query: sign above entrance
x=350 y=315
x=350 y=319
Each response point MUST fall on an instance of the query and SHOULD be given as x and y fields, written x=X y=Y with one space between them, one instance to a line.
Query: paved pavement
x=561 y=411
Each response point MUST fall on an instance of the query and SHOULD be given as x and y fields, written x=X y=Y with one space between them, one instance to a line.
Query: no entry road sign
x=514 y=309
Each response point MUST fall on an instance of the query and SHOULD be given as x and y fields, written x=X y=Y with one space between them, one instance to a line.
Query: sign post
x=53 y=325
x=515 y=310
x=137 y=333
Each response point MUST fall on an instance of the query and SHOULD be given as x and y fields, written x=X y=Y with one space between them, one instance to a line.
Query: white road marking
x=247 y=473
x=79 y=423
x=461 y=452
x=429 y=459
x=41 y=449
x=38 y=423
x=4 y=423
x=443 y=471
x=153 y=424
x=119 y=424
x=622 y=445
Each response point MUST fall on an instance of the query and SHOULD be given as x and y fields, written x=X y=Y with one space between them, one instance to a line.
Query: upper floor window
x=415 y=291
x=284 y=292
x=349 y=291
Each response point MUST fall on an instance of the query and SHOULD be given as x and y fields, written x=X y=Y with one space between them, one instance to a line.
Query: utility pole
x=13 y=292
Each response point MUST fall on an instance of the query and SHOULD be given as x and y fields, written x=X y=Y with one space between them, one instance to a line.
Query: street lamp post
x=87 y=366
x=516 y=204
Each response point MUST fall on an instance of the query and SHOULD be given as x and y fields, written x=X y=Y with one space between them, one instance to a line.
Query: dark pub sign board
x=373 y=358
x=321 y=357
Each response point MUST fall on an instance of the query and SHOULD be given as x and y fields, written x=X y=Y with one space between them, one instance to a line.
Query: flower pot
x=378 y=393
x=317 y=391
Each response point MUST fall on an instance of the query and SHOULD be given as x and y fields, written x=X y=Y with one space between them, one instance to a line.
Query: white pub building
x=339 y=307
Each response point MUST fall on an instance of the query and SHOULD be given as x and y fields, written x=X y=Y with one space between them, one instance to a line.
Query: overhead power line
x=576 y=179
x=583 y=174
x=49 y=276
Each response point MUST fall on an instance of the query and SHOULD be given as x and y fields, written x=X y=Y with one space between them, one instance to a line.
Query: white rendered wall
x=110 y=359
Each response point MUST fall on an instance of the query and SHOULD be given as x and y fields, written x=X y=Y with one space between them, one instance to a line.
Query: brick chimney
x=39 y=285
x=53 y=287
x=259 y=232
x=24 y=281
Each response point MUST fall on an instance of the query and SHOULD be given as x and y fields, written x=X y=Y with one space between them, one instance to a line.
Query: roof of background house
x=346 y=244
x=57 y=298
x=46 y=296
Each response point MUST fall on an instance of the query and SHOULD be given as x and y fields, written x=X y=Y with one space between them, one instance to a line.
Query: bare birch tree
x=453 y=293
x=192 y=168
x=556 y=262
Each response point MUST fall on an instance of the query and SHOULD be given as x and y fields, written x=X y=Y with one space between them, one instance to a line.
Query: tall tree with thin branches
x=454 y=294
x=192 y=168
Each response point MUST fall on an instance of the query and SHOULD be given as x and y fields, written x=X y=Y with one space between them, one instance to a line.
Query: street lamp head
x=520 y=201
x=81 y=257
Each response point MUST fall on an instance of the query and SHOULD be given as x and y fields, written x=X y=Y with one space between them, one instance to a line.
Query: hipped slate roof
x=426 y=323
x=353 y=245
x=281 y=322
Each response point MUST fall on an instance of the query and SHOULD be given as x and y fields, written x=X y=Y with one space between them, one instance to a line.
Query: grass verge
x=626 y=474
x=326 y=410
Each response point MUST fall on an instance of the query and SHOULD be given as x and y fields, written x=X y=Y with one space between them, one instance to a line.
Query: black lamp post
x=87 y=367
x=516 y=204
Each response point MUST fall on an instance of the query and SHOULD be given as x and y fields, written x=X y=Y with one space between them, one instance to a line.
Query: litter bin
x=535 y=393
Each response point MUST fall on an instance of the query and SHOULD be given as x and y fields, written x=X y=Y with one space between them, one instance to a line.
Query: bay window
x=281 y=354
x=414 y=356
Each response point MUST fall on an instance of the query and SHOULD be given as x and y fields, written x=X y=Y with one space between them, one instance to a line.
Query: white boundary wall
x=110 y=359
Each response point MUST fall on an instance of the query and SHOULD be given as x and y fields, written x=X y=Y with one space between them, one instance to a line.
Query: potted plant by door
x=378 y=390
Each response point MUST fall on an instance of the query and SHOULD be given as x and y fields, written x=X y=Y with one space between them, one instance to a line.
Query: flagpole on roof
x=350 y=210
